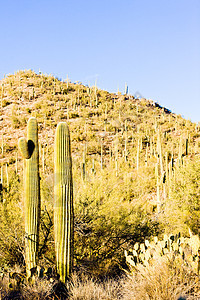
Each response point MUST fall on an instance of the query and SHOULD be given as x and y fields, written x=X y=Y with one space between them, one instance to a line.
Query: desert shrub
x=5 y=102
x=107 y=224
x=165 y=278
x=40 y=289
x=69 y=89
x=46 y=242
x=73 y=115
x=11 y=224
x=88 y=288
x=184 y=202
x=14 y=285
x=15 y=122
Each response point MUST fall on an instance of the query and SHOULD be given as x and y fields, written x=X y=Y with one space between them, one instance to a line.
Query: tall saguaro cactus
x=30 y=151
x=63 y=204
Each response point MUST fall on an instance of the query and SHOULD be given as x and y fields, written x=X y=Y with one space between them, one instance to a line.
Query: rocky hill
x=94 y=116
x=130 y=158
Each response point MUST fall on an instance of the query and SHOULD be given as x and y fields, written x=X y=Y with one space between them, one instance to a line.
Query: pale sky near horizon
x=153 y=46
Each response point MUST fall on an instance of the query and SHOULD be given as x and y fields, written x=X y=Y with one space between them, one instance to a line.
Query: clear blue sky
x=152 y=45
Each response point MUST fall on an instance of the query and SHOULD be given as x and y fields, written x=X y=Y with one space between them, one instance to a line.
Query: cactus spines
x=30 y=152
x=63 y=204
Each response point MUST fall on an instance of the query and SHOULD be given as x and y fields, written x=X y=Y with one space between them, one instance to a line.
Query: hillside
x=135 y=169
x=94 y=116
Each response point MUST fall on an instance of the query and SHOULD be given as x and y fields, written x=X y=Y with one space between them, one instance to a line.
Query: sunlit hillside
x=136 y=176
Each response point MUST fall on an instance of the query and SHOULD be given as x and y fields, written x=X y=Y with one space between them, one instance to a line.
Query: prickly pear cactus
x=30 y=152
x=187 y=249
x=63 y=204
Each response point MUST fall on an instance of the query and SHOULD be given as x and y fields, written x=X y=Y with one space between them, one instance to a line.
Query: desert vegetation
x=133 y=183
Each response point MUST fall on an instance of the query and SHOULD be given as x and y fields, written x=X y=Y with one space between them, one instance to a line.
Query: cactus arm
x=23 y=146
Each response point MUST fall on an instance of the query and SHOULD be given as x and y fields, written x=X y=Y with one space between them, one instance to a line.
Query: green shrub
x=182 y=210
x=106 y=224
x=11 y=224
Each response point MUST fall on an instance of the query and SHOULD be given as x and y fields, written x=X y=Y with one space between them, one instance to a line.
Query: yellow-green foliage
x=106 y=221
x=121 y=141
x=182 y=210
x=11 y=224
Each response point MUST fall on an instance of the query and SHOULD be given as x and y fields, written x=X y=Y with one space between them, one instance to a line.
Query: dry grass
x=164 y=279
x=83 y=287
x=41 y=289
x=9 y=289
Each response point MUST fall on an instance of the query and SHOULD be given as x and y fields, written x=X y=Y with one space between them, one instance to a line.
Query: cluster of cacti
x=143 y=144
x=188 y=249
x=63 y=205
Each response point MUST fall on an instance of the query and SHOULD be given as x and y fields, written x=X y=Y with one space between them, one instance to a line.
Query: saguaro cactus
x=63 y=204
x=30 y=151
